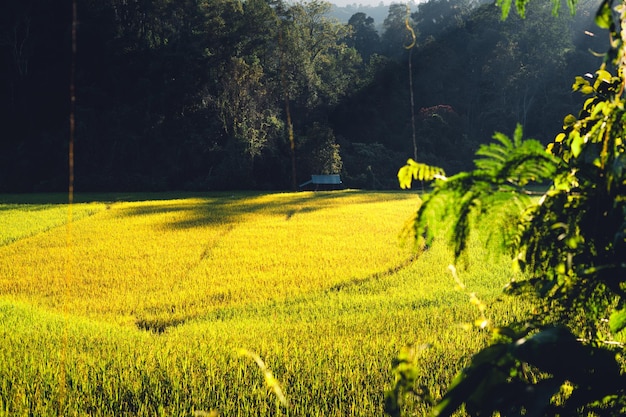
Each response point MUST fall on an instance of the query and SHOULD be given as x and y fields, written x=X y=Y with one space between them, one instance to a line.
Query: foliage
x=441 y=131
x=570 y=245
x=492 y=73
x=418 y=171
x=504 y=169
x=370 y=166
x=395 y=36
x=536 y=371
x=190 y=94
x=244 y=107
x=363 y=37
x=321 y=152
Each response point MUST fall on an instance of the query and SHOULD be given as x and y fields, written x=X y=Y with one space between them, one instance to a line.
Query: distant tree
x=364 y=37
x=318 y=68
x=155 y=80
x=248 y=98
x=313 y=42
x=436 y=17
x=34 y=85
x=370 y=166
x=379 y=111
x=395 y=35
x=246 y=108
x=443 y=137
x=320 y=151
x=525 y=64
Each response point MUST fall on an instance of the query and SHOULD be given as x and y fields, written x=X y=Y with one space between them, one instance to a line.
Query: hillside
x=224 y=95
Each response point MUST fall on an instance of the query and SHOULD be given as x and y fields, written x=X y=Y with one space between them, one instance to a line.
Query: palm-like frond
x=503 y=169
x=418 y=171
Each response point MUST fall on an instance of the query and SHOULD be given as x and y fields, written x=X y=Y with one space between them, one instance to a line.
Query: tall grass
x=164 y=293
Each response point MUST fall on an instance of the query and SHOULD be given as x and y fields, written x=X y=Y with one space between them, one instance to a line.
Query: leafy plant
x=405 y=375
x=502 y=172
x=570 y=245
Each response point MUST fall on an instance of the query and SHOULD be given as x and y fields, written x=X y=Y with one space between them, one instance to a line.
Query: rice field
x=142 y=305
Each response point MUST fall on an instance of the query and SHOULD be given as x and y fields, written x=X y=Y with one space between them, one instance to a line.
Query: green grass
x=140 y=309
x=18 y=221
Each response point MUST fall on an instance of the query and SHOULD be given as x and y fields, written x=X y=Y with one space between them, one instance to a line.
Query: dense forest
x=260 y=94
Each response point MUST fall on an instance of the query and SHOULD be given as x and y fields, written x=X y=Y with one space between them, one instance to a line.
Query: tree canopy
x=203 y=94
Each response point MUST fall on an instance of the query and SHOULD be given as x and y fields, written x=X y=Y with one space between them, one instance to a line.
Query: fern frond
x=502 y=171
x=418 y=171
x=516 y=161
x=518 y=136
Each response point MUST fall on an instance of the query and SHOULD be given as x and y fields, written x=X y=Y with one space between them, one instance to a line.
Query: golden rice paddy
x=141 y=307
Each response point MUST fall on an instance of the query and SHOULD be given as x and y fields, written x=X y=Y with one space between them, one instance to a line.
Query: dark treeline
x=232 y=94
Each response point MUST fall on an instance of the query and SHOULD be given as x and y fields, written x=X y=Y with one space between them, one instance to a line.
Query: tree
x=313 y=43
x=435 y=17
x=443 y=137
x=570 y=245
x=320 y=151
x=246 y=109
x=317 y=67
x=395 y=35
x=34 y=40
x=517 y=77
x=364 y=37
x=248 y=94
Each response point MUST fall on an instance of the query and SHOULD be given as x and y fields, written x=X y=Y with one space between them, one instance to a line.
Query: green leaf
x=505 y=331
x=490 y=355
x=418 y=171
x=556 y=351
x=604 y=16
x=539 y=396
x=600 y=107
x=462 y=387
x=579 y=83
x=568 y=121
x=588 y=89
x=603 y=75
x=617 y=320
x=577 y=144
x=590 y=102
x=604 y=81
x=506 y=7
x=404 y=177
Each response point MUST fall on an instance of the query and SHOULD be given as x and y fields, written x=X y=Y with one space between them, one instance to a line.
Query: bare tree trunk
x=410 y=48
x=412 y=104
x=292 y=142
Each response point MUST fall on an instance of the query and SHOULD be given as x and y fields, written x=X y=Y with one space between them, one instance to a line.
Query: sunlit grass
x=317 y=284
x=176 y=259
x=18 y=221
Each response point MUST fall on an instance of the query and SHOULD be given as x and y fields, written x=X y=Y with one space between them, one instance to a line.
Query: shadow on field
x=24 y=207
x=201 y=210
x=63 y=198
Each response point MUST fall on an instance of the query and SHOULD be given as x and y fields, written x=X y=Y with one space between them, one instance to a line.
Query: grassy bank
x=140 y=307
